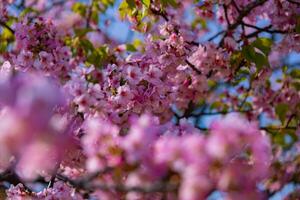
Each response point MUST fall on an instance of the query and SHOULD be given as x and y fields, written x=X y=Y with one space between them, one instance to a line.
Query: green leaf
x=284 y=68
x=260 y=61
x=130 y=47
x=244 y=70
x=281 y=110
x=94 y=58
x=216 y=105
x=144 y=12
x=79 y=8
x=248 y=52
x=107 y=3
x=263 y=44
x=199 y=21
x=251 y=55
x=3 y=193
x=97 y=56
x=86 y=44
x=131 y=3
x=146 y=3
x=295 y=73
x=103 y=50
x=82 y=31
x=298 y=25
x=95 y=17
x=3 y=46
x=123 y=9
x=169 y=2
x=27 y=11
x=137 y=43
x=211 y=83
x=296 y=84
x=284 y=137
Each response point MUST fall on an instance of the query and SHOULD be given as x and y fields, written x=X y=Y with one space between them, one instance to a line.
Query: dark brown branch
x=270 y=128
x=193 y=67
x=203 y=113
x=289 y=120
x=12 y=178
x=221 y=112
x=94 y=175
x=3 y=24
x=54 y=4
x=294 y=2
x=254 y=34
x=89 y=14
x=20 y=6
x=266 y=128
x=193 y=43
x=156 y=187
x=264 y=29
x=226 y=14
x=236 y=6
x=246 y=97
x=216 y=35
x=243 y=13
x=159 y=12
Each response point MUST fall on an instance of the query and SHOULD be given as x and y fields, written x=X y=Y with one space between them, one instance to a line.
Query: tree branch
x=193 y=67
x=156 y=187
x=264 y=29
x=89 y=14
x=216 y=35
x=3 y=24
x=236 y=6
x=294 y=2
x=243 y=13
x=159 y=12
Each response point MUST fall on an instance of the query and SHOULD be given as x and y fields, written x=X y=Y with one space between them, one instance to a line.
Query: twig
x=226 y=15
x=216 y=35
x=278 y=128
x=11 y=177
x=243 y=13
x=156 y=187
x=294 y=2
x=159 y=12
x=289 y=120
x=236 y=6
x=88 y=19
x=193 y=67
x=220 y=112
x=246 y=97
x=3 y=24
x=264 y=29
x=255 y=33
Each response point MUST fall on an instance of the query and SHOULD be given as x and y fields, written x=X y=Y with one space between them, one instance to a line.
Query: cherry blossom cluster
x=151 y=82
x=40 y=49
x=151 y=151
x=59 y=190
x=3 y=9
x=204 y=163
x=33 y=119
x=283 y=14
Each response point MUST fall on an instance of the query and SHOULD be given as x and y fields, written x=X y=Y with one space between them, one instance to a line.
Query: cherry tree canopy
x=201 y=101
